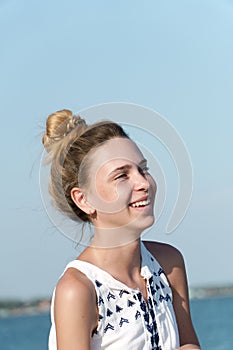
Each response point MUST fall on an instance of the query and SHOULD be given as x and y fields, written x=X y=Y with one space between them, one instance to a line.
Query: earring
x=92 y=211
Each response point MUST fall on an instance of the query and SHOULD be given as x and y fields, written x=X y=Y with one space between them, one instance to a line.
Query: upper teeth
x=141 y=203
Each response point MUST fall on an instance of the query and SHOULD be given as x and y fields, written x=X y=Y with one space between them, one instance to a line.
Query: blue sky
x=174 y=57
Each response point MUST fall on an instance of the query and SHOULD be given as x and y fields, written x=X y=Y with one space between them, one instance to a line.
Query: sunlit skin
x=119 y=177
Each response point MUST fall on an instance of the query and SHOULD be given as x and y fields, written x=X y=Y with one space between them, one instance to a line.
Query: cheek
x=124 y=192
x=105 y=192
x=110 y=198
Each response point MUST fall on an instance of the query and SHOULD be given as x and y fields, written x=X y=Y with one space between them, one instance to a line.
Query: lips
x=142 y=202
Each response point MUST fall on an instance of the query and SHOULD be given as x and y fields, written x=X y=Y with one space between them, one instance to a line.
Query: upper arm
x=74 y=312
x=178 y=281
x=172 y=263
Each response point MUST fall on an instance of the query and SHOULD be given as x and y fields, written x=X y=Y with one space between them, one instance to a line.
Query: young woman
x=120 y=292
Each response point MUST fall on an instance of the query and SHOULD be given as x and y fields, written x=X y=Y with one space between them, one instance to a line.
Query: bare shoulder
x=170 y=259
x=166 y=254
x=75 y=309
x=74 y=284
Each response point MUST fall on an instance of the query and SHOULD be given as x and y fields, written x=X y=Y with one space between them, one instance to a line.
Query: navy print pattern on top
x=125 y=319
x=146 y=311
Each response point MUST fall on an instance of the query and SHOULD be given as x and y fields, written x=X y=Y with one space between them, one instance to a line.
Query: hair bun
x=59 y=125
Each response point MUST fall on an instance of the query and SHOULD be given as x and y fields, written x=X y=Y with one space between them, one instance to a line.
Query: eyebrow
x=126 y=167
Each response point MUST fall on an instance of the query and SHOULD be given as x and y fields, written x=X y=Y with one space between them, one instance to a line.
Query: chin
x=142 y=223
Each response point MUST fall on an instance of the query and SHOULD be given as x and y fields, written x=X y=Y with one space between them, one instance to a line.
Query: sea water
x=212 y=318
x=24 y=332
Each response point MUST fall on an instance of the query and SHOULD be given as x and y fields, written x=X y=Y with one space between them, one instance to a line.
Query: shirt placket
x=146 y=310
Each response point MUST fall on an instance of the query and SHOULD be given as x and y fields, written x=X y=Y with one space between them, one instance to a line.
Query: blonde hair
x=68 y=141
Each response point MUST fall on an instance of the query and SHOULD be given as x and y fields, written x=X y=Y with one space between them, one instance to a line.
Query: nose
x=140 y=181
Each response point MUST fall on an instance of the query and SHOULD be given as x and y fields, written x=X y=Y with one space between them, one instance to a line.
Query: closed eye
x=144 y=170
x=121 y=176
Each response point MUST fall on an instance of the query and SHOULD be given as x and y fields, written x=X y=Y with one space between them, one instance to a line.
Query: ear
x=80 y=200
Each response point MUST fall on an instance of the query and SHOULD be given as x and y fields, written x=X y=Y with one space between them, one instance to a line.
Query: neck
x=115 y=237
x=122 y=262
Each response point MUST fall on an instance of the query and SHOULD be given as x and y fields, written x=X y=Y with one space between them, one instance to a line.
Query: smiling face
x=121 y=190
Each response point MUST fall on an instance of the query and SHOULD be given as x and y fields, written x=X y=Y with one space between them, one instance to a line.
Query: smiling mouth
x=140 y=204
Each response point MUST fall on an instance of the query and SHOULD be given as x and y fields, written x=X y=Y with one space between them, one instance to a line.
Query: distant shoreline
x=210 y=292
x=17 y=307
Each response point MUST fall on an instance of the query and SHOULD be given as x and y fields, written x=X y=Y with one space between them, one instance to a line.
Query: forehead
x=115 y=152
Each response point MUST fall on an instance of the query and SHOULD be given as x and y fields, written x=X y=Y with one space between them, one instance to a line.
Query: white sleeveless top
x=126 y=321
